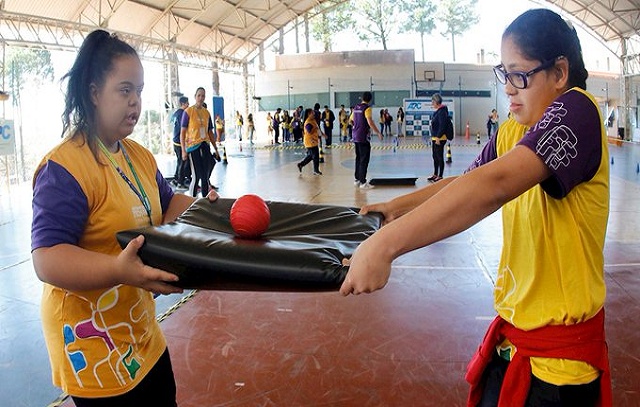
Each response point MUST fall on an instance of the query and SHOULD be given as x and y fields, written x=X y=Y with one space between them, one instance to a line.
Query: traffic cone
x=637 y=168
x=611 y=160
x=478 y=138
x=449 y=161
x=224 y=155
x=321 y=155
x=466 y=132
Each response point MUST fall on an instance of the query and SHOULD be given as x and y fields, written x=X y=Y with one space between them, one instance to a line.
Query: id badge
x=203 y=134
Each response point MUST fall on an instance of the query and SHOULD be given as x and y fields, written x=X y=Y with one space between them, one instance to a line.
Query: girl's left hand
x=368 y=272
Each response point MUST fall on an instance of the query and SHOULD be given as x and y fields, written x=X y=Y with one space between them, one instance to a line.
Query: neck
x=112 y=146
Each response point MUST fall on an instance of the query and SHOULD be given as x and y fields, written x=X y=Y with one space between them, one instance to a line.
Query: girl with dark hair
x=98 y=313
x=196 y=138
x=548 y=171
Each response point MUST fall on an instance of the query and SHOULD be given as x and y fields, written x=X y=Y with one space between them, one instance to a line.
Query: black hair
x=367 y=96
x=183 y=100
x=92 y=65
x=543 y=35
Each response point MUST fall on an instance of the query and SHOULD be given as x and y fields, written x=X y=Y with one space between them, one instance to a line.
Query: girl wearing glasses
x=548 y=171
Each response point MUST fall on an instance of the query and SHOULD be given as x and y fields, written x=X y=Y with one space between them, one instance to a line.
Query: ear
x=561 y=72
x=93 y=93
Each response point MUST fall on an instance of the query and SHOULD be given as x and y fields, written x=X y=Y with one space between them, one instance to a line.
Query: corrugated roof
x=233 y=29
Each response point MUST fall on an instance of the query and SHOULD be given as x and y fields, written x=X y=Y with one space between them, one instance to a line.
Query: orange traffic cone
x=466 y=132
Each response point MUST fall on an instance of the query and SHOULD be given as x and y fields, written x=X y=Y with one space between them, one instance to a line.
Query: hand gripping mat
x=301 y=251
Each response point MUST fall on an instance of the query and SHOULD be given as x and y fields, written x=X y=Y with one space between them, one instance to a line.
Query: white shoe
x=366 y=185
x=356 y=183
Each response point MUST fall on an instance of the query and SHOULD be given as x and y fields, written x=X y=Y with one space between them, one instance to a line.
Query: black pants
x=276 y=133
x=328 y=131
x=438 y=157
x=541 y=394
x=313 y=154
x=201 y=165
x=183 y=168
x=363 y=155
x=157 y=389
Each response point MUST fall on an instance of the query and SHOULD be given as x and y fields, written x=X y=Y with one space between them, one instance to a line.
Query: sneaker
x=299 y=168
x=432 y=178
x=317 y=173
x=436 y=179
x=357 y=183
x=366 y=185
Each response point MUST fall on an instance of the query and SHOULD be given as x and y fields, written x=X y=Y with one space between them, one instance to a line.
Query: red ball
x=250 y=216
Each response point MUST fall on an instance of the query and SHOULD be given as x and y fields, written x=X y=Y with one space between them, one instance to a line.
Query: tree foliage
x=332 y=17
x=25 y=65
x=420 y=18
x=378 y=20
x=458 y=16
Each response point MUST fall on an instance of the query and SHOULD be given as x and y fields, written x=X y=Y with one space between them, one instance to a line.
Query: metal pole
x=288 y=96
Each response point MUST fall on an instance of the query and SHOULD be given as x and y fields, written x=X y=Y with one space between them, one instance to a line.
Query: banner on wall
x=417 y=116
x=7 y=137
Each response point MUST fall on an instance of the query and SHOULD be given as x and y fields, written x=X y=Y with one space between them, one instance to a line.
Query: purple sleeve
x=488 y=153
x=166 y=193
x=185 y=119
x=568 y=139
x=60 y=208
x=308 y=128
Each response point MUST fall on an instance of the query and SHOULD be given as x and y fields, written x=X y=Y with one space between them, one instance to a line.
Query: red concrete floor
x=406 y=345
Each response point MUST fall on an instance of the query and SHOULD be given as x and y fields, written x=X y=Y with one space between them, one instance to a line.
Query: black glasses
x=518 y=78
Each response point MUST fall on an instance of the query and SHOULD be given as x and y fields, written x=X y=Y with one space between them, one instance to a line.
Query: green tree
x=24 y=66
x=420 y=18
x=458 y=16
x=378 y=19
x=333 y=16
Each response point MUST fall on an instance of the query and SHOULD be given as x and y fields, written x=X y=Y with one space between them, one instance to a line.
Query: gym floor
x=406 y=345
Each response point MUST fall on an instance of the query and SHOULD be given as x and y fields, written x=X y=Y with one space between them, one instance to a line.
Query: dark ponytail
x=543 y=35
x=93 y=62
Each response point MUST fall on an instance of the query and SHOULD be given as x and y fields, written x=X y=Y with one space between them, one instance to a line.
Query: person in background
x=363 y=125
x=296 y=126
x=105 y=345
x=183 y=168
x=220 y=136
x=239 y=124
x=400 y=122
x=270 y=126
x=343 y=119
x=251 y=128
x=438 y=137
x=311 y=142
x=492 y=123
x=275 y=124
x=548 y=172
x=328 y=118
x=196 y=134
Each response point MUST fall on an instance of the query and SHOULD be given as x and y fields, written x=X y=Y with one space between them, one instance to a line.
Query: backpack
x=448 y=129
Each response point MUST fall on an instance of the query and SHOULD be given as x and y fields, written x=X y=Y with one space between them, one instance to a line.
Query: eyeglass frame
x=499 y=71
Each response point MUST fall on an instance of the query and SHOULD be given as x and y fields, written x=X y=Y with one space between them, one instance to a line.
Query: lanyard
x=141 y=194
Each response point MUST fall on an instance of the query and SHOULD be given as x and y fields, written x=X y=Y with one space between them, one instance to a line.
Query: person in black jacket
x=438 y=136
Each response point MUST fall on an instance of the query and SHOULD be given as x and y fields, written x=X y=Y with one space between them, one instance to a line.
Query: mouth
x=132 y=119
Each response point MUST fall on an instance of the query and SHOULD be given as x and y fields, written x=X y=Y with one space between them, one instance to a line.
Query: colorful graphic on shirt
x=86 y=338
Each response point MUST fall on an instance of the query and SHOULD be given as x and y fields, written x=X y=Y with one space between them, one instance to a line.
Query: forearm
x=86 y=271
x=178 y=204
x=406 y=203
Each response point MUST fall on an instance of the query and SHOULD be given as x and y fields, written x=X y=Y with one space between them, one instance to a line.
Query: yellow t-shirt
x=551 y=270
x=102 y=343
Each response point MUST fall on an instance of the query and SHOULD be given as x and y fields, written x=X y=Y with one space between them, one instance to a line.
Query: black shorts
x=540 y=393
x=157 y=389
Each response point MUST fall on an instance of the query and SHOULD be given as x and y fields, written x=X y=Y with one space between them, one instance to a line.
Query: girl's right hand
x=134 y=272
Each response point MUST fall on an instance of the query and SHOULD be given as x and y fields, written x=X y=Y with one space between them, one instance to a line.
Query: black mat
x=301 y=251
x=393 y=181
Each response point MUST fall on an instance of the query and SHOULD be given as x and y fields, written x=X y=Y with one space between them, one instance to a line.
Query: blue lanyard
x=141 y=194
